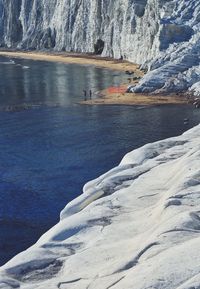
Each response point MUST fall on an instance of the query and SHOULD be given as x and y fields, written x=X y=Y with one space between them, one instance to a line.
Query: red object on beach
x=114 y=89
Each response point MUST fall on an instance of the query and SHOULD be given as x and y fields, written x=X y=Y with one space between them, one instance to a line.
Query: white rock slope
x=135 y=227
x=177 y=66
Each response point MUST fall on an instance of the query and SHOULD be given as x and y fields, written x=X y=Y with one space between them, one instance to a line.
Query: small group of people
x=85 y=94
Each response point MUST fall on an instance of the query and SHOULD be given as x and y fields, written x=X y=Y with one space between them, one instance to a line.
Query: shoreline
x=133 y=99
x=106 y=97
x=73 y=58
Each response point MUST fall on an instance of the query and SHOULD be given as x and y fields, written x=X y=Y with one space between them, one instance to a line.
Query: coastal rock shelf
x=161 y=35
x=137 y=226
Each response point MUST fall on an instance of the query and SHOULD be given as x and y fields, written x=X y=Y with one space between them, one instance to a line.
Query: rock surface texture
x=135 y=227
x=162 y=34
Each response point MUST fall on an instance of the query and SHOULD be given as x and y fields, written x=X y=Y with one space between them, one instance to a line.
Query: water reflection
x=34 y=82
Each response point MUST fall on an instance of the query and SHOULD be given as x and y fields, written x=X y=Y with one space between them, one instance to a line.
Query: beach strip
x=105 y=97
x=74 y=58
x=136 y=99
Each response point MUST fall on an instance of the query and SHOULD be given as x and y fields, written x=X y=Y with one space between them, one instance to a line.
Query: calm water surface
x=40 y=82
x=47 y=154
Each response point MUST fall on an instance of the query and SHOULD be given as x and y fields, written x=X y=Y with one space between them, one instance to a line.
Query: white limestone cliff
x=163 y=35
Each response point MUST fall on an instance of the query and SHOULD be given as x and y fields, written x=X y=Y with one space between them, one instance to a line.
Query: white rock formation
x=135 y=227
x=177 y=66
x=163 y=34
x=127 y=28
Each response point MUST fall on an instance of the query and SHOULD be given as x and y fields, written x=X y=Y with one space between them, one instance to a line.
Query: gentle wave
x=11 y=62
x=23 y=66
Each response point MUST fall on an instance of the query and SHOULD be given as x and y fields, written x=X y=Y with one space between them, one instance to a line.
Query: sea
x=50 y=145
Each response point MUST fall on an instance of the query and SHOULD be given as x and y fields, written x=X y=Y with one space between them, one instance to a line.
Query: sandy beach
x=74 y=58
x=136 y=99
x=106 y=97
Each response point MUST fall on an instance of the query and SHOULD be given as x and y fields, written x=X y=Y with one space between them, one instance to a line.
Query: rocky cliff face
x=137 y=30
x=176 y=67
x=127 y=28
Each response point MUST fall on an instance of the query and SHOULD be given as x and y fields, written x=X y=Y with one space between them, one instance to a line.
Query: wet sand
x=105 y=97
x=136 y=99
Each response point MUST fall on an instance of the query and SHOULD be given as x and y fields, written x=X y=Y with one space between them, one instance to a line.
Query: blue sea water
x=48 y=153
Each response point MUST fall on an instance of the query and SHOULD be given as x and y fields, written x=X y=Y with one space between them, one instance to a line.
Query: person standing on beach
x=90 y=93
x=85 y=94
